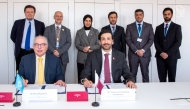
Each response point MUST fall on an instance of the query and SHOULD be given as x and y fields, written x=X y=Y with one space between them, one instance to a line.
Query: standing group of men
x=139 y=37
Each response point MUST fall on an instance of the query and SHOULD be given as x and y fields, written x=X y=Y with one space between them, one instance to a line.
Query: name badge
x=39 y=95
x=118 y=94
x=139 y=39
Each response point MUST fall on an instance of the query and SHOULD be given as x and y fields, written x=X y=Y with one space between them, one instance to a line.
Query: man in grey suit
x=139 y=38
x=59 y=39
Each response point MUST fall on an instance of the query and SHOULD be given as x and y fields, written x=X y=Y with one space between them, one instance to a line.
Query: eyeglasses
x=39 y=45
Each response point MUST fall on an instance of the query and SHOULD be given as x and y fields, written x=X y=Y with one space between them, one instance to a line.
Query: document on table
x=92 y=90
x=117 y=86
x=29 y=87
x=60 y=90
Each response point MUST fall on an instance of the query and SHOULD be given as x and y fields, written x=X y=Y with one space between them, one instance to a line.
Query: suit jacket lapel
x=169 y=29
x=99 y=59
x=90 y=38
x=162 y=30
x=53 y=35
x=143 y=29
x=33 y=65
x=46 y=65
x=84 y=36
x=62 y=33
x=113 y=64
x=135 y=29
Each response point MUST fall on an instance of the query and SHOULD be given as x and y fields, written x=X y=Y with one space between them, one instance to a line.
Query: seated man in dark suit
x=109 y=64
x=41 y=67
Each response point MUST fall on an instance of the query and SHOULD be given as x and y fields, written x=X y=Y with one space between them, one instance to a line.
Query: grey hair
x=42 y=37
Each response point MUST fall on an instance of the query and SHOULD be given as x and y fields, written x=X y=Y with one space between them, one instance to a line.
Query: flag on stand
x=19 y=83
x=98 y=84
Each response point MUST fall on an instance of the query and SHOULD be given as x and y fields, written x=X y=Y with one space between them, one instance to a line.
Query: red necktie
x=107 y=69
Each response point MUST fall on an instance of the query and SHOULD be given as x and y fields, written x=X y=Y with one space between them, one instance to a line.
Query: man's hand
x=131 y=84
x=140 y=53
x=90 y=50
x=25 y=81
x=164 y=55
x=88 y=83
x=56 y=53
x=61 y=83
x=86 y=48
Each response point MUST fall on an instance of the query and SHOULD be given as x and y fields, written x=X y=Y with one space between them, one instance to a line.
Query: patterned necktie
x=40 y=71
x=27 y=41
x=107 y=69
x=57 y=37
x=166 y=30
x=113 y=28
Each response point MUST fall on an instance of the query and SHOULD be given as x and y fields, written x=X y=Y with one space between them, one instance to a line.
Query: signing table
x=148 y=96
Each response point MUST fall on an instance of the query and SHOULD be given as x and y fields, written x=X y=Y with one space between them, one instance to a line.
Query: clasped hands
x=164 y=55
x=140 y=53
x=87 y=49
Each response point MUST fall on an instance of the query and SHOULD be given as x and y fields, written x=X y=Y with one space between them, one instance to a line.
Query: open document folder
x=60 y=89
x=106 y=86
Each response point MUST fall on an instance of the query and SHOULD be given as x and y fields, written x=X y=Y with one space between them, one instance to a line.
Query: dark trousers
x=144 y=64
x=21 y=54
x=166 y=67
x=80 y=67
x=64 y=67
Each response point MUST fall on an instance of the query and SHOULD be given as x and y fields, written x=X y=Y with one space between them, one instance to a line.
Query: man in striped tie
x=41 y=67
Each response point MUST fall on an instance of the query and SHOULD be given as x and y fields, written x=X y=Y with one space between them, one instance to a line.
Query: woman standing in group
x=86 y=41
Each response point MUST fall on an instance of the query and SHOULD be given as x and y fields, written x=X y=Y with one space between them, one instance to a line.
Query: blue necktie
x=139 y=29
x=165 y=30
x=27 y=41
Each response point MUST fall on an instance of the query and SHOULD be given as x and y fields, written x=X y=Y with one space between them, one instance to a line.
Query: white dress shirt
x=87 y=32
x=32 y=34
x=43 y=62
x=102 y=76
x=58 y=26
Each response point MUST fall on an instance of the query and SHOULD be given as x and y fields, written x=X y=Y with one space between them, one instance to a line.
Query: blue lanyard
x=139 y=32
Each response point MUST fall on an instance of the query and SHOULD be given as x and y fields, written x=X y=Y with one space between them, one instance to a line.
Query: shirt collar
x=112 y=25
x=44 y=56
x=58 y=26
x=31 y=21
x=103 y=52
x=167 y=23
x=139 y=23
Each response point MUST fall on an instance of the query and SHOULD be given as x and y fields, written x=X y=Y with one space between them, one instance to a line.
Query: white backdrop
x=74 y=10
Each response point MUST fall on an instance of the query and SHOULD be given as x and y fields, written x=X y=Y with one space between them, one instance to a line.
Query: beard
x=113 y=22
x=106 y=48
x=167 y=19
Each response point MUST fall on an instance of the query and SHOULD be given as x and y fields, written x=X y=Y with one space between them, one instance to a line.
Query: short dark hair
x=139 y=10
x=29 y=6
x=112 y=12
x=103 y=32
x=168 y=9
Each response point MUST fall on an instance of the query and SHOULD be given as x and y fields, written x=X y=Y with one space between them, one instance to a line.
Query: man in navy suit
x=46 y=71
x=117 y=32
x=167 y=40
x=109 y=64
x=23 y=33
